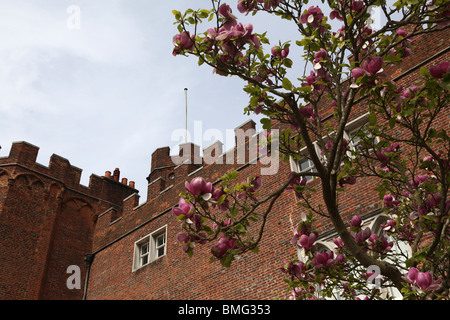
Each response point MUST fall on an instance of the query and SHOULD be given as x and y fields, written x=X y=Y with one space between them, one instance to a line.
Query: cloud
x=110 y=93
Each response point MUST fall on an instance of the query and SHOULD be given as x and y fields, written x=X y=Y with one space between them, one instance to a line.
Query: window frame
x=295 y=163
x=152 y=254
x=373 y=222
x=350 y=129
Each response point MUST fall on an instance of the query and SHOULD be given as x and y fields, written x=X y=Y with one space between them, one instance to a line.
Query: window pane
x=160 y=240
x=144 y=249
x=144 y=260
x=160 y=252
x=305 y=164
x=356 y=142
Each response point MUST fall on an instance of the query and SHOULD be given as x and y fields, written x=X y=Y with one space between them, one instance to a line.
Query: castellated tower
x=47 y=221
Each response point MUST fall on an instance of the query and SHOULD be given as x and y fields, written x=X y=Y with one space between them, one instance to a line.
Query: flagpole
x=185 y=116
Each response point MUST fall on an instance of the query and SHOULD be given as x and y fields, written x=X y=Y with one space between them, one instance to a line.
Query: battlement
x=168 y=170
x=108 y=187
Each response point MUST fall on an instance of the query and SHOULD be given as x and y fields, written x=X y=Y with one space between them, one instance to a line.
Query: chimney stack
x=116 y=174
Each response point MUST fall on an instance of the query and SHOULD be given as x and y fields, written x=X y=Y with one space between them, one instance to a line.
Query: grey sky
x=108 y=94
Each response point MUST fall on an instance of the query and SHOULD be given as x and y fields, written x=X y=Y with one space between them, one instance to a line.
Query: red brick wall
x=47 y=221
x=252 y=276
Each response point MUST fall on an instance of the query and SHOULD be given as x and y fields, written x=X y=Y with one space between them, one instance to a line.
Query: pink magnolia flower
x=358 y=73
x=404 y=46
x=182 y=41
x=236 y=33
x=433 y=200
x=320 y=55
x=216 y=196
x=277 y=51
x=417 y=181
x=183 y=209
x=188 y=240
x=347 y=180
x=313 y=16
x=439 y=70
x=363 y=235
x=306 y=241
x=319 y=59
x=313 y=81
x=307 y=112
x=336 y=15
x=297 y=181
x=371 y=67
x=387 y=154
x=389 y=201
x=340 y=33
x=256 y=184
x=444 y=15
x=357 y=6
x=326 y=259
x=338 y=242
x=245 y=6
x=270 y=3
x=299 y=269
x=380 y=243
x=223 y=245
x=408 y=93
x=226 y=12
x=424 y=280
x=199 y=187
x=356 y=222
x=389 y=225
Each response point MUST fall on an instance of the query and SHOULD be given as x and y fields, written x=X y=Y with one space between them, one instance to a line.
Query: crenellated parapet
x=22 y=160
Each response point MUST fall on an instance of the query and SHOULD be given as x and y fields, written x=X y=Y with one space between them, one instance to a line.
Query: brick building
x=47 y=222
x=128 y=250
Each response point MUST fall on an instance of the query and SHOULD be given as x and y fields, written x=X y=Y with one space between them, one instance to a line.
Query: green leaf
x=286 y=84
x=372 y=119
x=203 y=13
x=445 y=84
x=409 y=262
x=266 y=123
x=181 y=217
x=221 y=199
x=304 y=89
x=392 y=123
x=207 y=229
x=424 y=72
x=287 y=63
x=177 y=14
x=226 y=262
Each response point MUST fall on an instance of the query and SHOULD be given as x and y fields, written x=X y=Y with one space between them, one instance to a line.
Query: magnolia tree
x=411 y=169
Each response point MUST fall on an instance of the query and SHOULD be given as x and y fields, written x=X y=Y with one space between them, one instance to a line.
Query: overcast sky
x=108 y=94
